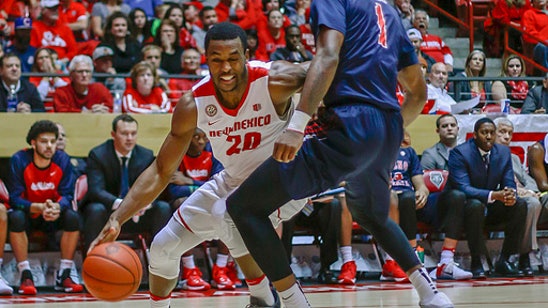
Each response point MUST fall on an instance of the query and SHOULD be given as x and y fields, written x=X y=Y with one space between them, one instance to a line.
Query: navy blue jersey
x=375 y=48
x=407 y=166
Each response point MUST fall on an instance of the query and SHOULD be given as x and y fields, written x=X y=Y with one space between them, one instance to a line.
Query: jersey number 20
x=250 y=142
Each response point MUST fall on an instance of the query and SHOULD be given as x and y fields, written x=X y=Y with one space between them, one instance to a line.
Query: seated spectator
x=502 y=14
x=405 y=10
x=537 y=99
x=432 y=45
x=191 y=21
x=48 y=209
x=475 y=66
x=294 y=50
x=416 y=39
x=483 y=171
x=272 y=36
x=101 y=11
x=208 y=18
x=514 y=90
x=127 y=51
x=267 y=6
x=526 y=189
x=535 y=28
x=75 y=15
x=143 y=96
x=185 y=39
x=20 y=44
x=437 y=89
x=168 y=39
x=113 y=167
x=46 y=85
x=153 y=55
x=28 y=98
x=82 y=95
x=140 y=27
x=51 y=32
x=298 y=16
x=243 y=13
x=190 y=64
x=252 y=44
x=102 y=61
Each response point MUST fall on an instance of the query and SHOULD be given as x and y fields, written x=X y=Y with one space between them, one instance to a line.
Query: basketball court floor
x=493 y=292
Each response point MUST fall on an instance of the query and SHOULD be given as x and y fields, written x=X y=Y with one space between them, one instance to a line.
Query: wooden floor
x=494 y=292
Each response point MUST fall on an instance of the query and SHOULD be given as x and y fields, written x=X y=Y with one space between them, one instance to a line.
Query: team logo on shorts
x=211 y=110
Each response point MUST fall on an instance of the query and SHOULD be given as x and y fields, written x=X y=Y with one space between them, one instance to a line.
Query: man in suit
x=483 y=171
x=526 y=189
x=436 y=156
x=108 y=185
x=537 y=99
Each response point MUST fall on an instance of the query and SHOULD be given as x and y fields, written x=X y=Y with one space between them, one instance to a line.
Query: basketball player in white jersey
x=242 y=107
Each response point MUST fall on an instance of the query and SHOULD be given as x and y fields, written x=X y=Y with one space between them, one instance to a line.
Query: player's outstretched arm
x=284 y=80
x=414 y=86
x=318 y=79
x=156 y=177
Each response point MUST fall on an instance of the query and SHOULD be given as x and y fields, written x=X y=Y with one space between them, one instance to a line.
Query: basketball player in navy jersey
x=362 y=52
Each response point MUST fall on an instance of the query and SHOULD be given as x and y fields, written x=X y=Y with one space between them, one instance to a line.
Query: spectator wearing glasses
x=82 y=95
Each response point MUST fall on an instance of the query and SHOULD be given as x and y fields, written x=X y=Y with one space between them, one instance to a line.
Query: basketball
x=112 y=271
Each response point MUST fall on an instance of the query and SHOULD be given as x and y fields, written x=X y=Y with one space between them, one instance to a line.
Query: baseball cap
x=414 y=33
x=23 y=23
x=49 y=3
x=102 y=51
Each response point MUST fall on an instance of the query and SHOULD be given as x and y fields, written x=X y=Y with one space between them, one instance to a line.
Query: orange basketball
x=112 y=271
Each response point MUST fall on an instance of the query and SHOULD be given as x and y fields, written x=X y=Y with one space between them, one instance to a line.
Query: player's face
x=514 y=68
x=198 y=142
x=448 y=130
x=226 y=60
x=504 y=134
x=485 y=136
x=44 y=145
x=125 y=136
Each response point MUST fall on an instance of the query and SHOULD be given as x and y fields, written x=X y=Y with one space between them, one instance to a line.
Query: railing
x=526 y=58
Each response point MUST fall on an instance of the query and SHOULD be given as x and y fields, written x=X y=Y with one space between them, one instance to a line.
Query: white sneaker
x=4 y=287
x=451 y=271
x=439 y=300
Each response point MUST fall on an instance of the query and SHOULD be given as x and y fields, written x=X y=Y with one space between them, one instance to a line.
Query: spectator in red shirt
x=81 y=95
x=505 y=12
x=241 y=12
x=52 y=32
x=432 y=45
x=175 y=13
x=143 y=96
x=535 y=23
x=190 y=64
x=272 y=36
x=75 y=15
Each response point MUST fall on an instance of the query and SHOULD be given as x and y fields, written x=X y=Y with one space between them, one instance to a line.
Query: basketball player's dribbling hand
x=287 y=145
x=109 y=233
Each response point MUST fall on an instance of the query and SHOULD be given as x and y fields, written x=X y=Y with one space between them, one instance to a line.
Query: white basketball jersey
x=244 y=137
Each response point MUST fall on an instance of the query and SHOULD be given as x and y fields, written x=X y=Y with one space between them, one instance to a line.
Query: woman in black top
x=127 y=51
x=168 y=38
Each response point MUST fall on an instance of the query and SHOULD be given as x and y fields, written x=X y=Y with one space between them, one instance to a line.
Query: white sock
x=188 y=261
x=23 y=265
x=447 y=256
x=423 y=284
x=160 y=302
x=294 y=297
x=65 y=264
x=260 y=288
x=222 y=260
x=346 y=253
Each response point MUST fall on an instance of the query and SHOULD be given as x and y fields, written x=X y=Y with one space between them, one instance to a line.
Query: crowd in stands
x=131 y=51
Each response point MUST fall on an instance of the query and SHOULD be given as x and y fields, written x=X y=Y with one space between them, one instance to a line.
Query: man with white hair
x=432 y=45
x=81 y=95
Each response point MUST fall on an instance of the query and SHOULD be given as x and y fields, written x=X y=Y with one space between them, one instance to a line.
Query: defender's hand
x=287 y=145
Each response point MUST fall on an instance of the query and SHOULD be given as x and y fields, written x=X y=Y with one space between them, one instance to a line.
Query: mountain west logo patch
x=436 y=178
x=211 y=110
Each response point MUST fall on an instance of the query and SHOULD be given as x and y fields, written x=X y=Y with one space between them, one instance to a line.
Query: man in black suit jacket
x=105 y=191
x=488 y=183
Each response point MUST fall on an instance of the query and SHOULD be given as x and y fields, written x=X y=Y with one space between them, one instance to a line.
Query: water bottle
x=117 y=106
x=505 y=106
x=12 y=99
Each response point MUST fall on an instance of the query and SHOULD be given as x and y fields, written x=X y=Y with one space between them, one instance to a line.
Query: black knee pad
x=71 y=220
x=17 y=221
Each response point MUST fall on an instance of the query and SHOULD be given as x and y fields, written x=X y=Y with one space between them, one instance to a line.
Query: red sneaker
x=65 y=283
x=232 y=273
x=348 y=273
x=192 y=280
x=27 y=284
x=391 y=271
x=220 y=278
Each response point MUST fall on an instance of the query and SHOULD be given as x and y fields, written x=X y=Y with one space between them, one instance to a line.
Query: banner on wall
x=528 y=129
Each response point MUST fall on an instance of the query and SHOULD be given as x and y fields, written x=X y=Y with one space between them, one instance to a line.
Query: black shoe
x=477 y=269
x=505 y=268
x=525 y=265
x=326 y=276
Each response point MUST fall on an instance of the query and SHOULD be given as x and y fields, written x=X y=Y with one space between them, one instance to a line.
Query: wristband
x=298 y=121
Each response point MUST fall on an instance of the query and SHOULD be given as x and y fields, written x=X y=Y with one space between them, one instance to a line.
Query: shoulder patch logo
x=256 y=107
x=211 y=110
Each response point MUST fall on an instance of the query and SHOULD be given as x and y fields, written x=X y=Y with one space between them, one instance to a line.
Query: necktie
x=124 y=183
x=486 y=161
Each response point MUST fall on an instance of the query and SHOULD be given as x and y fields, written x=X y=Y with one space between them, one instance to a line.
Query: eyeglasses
x=81 y=72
